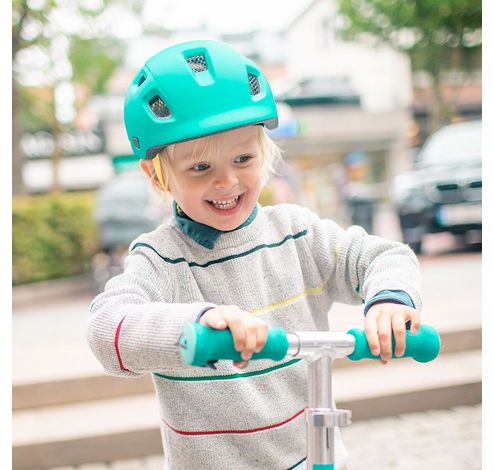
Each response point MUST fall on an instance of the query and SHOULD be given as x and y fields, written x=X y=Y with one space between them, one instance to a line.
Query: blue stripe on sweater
x=193 y=264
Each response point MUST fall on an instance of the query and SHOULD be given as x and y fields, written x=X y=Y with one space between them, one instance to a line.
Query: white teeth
x=225 y=204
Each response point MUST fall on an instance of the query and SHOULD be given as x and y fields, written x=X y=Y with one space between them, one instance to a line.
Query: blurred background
x=380 y=124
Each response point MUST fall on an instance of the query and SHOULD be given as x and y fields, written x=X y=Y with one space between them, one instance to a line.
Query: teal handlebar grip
x=423 y=346
x=200 y=345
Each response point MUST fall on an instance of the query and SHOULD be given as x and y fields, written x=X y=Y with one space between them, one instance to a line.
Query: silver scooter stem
x=319 y=348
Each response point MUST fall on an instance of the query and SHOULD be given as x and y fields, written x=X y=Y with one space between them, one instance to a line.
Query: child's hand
x=249 y=333
x=385 y=318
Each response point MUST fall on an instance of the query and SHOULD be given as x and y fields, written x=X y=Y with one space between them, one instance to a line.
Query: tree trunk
x=436 y=117
x=56 y=158
x=18 y=187
x=438 y=110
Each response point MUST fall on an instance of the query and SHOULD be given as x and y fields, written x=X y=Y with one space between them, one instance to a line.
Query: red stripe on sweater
x=117 y=337
x=233 y=431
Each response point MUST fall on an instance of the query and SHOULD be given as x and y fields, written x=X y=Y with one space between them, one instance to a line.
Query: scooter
x=202 y=346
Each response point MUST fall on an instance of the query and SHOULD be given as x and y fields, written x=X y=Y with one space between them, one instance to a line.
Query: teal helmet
x=191 y=90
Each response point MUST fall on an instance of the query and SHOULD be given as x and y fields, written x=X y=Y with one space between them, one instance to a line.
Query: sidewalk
x=442 y=439
x=445 y=439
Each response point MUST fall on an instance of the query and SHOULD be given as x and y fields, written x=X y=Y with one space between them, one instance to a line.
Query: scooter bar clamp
x=328 y=417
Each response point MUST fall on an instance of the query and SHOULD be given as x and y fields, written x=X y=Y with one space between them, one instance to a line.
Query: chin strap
x=156 y=162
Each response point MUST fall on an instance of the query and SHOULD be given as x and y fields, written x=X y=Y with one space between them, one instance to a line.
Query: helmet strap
x=156 y=162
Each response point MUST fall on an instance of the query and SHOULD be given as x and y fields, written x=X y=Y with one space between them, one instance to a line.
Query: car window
x=457 y=143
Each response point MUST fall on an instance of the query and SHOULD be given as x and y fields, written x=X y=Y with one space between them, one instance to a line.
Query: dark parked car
x=443 y=193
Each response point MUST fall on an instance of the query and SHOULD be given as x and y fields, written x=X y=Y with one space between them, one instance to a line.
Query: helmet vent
x=158 y=107
x=198 y=63
x=254 y=84
x=141 y=80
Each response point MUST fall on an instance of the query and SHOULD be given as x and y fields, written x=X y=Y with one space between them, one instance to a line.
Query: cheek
x=254 y=173
x=186 y=190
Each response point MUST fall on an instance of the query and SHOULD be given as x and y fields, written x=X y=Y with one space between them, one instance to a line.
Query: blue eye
x=201 y=167
x=244 y=158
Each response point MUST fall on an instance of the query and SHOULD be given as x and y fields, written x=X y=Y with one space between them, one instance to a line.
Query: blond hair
x=270 y=154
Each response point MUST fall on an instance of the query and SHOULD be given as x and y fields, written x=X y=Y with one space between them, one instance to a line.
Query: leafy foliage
x=52 y=236
x=438 y=34
x=94 y=60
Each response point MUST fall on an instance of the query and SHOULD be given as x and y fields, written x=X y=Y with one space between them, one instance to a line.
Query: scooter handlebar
x=201 y=345
x=423 y=346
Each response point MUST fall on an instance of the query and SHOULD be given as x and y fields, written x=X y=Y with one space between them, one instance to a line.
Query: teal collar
x=201 y=233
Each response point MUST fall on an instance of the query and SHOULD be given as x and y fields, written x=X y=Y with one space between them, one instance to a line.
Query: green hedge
x=53 y=236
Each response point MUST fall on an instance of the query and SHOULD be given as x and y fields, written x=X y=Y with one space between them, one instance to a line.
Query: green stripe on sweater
x=297 y=464
x=228 y=377
x=226 y=258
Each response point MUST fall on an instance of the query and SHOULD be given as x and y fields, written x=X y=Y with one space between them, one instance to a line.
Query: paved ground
x=444 y=439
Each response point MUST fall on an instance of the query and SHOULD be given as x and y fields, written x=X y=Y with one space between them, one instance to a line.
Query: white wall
x=85 y=172
x=381 y=75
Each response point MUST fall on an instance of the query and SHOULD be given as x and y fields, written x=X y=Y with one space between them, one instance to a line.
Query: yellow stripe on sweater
x=290 y=300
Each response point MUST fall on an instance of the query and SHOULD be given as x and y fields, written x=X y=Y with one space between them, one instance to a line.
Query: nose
x=226 y=179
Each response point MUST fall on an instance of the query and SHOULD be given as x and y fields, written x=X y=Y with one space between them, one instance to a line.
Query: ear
x=147 y=167
x=155 y=174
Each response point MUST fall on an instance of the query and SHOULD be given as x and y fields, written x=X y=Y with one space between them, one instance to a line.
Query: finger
x=240 y=364
x=262 y=334
x=237 y=331
x=399 y=332
x=385 y=337
x=250 y=342
x=384 y=363
x=414 y=316
x=213 y=320
x=371 y=332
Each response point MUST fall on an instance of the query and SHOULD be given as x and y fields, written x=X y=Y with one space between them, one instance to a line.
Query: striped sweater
x=285 y=265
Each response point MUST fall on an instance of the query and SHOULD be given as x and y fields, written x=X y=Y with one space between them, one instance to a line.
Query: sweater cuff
x=210 y=364
x=390 y=296
x=206 y=309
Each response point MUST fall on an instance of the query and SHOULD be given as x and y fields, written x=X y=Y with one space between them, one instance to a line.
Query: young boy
x=196 y=114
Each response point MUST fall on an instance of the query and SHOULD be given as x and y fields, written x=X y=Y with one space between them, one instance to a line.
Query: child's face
x=220 y=190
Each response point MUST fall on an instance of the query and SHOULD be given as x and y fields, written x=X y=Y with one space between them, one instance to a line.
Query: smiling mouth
x=224 y=205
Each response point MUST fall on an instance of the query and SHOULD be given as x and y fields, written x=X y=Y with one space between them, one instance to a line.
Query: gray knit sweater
x=287 y=266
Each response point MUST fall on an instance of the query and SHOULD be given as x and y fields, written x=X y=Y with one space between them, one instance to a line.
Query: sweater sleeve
x=134 y=327
x=358 y=266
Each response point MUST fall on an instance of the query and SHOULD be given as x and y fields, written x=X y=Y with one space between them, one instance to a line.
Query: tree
x=66 y=56
x=438 y=35
x=22 y=15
